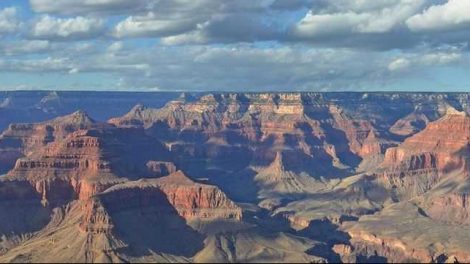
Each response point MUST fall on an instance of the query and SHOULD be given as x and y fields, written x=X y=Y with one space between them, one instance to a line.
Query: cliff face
x=410 y=124
x=253 y=127
x=95 y=219
x=125 y=210
x=362 y=136
x=80 y=162
x=385 y=236
x=23 y=139
x=427 y=176
x=361 y=164
x=88 y=161
x=279 y=179
x=54 y=155
x=191 y=200
x=443 y=145
x=422 y=160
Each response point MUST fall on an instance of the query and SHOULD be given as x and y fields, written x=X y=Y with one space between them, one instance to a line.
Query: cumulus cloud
x=8 y=20
x=451 y=15
x=431 y=58
x=88 y=6
x=441 y=58
x=232 y=28
x=48 y=27
x=399 y=64
x=239 y=67
x=115 y=47
x=194 y=37
x=231 y=67
x=235 y=45
x=203 y=21
x=152 y=25
x=49 y=64
x=24 y=47
x=167 y=18
x=380 y=17
x=378 y=24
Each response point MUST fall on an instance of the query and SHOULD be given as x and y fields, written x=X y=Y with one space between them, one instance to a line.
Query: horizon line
x=230 y=91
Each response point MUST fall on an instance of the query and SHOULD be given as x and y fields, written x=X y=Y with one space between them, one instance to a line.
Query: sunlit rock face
x=92 y=173
x=313 y=128
x=190 y=199
x=423 y=159
x=439 y=144
x=242 y=177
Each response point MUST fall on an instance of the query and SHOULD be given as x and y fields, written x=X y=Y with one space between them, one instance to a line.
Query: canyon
x=235 y=177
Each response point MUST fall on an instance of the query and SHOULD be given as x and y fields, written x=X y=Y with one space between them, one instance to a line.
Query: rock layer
x=190 y=199
x=358 y=165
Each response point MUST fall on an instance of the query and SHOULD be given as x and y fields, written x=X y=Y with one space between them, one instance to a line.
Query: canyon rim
x=234 y=131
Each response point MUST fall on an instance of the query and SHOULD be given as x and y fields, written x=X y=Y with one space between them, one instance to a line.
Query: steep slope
x=321 y=138
x=144 y=220
x=190 y=199
x=301 y=177
x=422 y=239
x=62 y=182
x=250 y=246
x=428 y=178
x=410 y=124
x=276 y=183
x=89 y=161
x=23 y=139
x=136 y=221
x=134 y=238
x=441 y=138
x=422 y=160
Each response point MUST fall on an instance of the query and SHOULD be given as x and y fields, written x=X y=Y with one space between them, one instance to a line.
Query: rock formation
x=92 y=167
x=423 y=159
x=427 y=176
x=191 y=200
x=240 y=177
x=438 y=144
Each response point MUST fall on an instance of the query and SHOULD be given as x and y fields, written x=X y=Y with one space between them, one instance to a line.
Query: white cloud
x=194 y=37
x=324 y=24
x=339 y=44
x=8 y=20
x=440 y=58
x=115 y=47
x=399 y=64
x=233 y=67
x=197 y=36
x=153 y=24
x=24 y=46
x=452 y=14
x=237 y=67
x=202 y=21
x=379 y=18
x=48 y=27
x=432 y=58
x=49 y=64
x=74 y=71
x=87 y=6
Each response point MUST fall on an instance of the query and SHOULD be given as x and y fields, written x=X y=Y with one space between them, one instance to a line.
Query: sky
x=235 y=45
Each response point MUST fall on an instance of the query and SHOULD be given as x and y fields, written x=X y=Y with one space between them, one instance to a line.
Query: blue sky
x=242 y=45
